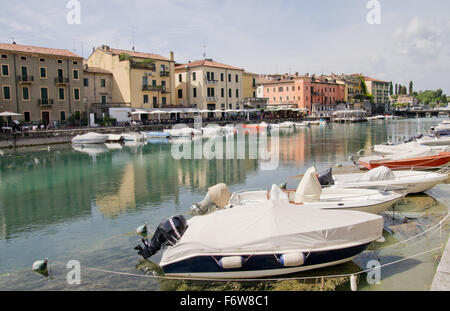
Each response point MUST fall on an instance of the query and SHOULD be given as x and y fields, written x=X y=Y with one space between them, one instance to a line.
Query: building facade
x=316 y=95
x=97 y=83
x=207 y=84
x=42 y=84
x=139 y=80
x=380 y=91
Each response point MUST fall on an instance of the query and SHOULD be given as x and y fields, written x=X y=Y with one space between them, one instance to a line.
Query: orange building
x=311 y=93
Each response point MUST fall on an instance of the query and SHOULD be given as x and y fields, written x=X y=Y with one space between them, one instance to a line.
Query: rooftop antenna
x=204 y=50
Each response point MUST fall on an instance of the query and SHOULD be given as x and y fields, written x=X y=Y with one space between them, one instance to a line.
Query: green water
x=65 y=204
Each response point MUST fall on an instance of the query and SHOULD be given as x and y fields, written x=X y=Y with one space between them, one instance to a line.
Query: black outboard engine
x=169 y=231
x=326 y=177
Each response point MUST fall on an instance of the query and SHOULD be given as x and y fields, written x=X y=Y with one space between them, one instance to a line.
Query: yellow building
x=249 y=84
x=140 y=80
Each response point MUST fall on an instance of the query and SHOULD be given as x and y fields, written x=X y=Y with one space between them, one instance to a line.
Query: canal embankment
x=441 y=281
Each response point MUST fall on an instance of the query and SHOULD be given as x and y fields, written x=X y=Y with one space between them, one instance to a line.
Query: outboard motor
x=169 y=231
x=217 y=196
x=326 y=177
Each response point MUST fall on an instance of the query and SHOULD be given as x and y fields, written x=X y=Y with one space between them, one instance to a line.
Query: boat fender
x=231 y=262
x=353 y=283
x=292 y=259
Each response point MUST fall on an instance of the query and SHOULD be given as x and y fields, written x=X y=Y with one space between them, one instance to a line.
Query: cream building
x=97 y=83
x=42 y=84
x=140 y=80
x=380 y=92
x=207 y=84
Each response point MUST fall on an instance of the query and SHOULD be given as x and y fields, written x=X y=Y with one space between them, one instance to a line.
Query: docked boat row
x=327 y=220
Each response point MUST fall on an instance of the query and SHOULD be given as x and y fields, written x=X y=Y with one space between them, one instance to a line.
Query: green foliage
x=124 y=56
x=432 y=97
x=410 y=88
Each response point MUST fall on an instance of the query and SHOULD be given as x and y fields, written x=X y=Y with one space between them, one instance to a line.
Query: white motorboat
x=309 y=193
x=114 y=138
x=263 y=239
x=410 y=147
x=434 y=141
x=183 y=132
x=287 y=124
x=131 y=136
x=300 y=124
x=90 y=138
x=155 y=134
x=383 y=178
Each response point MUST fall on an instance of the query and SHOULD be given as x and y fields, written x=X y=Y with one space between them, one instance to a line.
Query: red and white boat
x=423 y=158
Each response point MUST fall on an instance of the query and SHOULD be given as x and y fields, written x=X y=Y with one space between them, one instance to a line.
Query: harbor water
x=84 y=204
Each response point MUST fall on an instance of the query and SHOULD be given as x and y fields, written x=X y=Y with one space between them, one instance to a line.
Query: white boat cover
x=419 y=152
x=378 y=174
x=91 y=136
x=270 y=227
x=309 y=189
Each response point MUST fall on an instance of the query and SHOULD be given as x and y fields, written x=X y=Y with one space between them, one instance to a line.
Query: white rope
x=256 y=279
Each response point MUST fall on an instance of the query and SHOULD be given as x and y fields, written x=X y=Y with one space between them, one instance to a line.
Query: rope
x=256 y=279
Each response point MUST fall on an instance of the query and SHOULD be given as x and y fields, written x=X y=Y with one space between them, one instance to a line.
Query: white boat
x=383 y=178
x=410 y=147
x=90 y=138
x=264 y=239
x=114 y=138
x=287 y=124
x=131 y=136
x=183 y=132
x=155 y=134
x=309 y=193
x=434 y=141
x=300 y=124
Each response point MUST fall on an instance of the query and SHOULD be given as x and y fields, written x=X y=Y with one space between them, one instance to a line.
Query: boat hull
x=259 y=265
x=429 y=162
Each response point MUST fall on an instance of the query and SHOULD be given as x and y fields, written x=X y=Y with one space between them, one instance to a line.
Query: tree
x=396 y=89
x=391 y=91
x=410 y=88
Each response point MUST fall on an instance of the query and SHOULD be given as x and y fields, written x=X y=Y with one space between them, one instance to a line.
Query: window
x=180 y=78
x=25 y=93
x=194 y=91
x=23 y=58
x=43 y=72
x=287 y=88
x=61 y=95
x=229 y=77
x=77 y=115
x=6 y=92
x=180 y=94
x=145 y=99
x=229 y=92
x=42 y=59
x=194 y=76
x=76 y=94
x=4 y=56
x=104 y=99
x=237 y=78
x=75 y=74
x=298 y=88
x=237 y=92
x=102 y=83
x=5 y=70
x=163 y=100
x=221 y=76
x=75 y=62
x=62 y=115
x=222 y=92
x=86 y=81
x=280 y=89
x=293 y=88
x=267 y=90
x=59 y=61
x=44 y=93
x=27 y=116
x=155 y=101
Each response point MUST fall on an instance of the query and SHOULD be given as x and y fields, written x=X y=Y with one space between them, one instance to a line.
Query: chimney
x=296 y=74
x=14 y=42
x=171 y=56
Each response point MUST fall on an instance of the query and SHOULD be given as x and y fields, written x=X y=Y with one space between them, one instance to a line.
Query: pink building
x=313 y=94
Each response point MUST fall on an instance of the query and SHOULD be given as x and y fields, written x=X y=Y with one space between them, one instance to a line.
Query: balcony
x=45 y=102
x=24 y=79
x=211 y=82
x=154 y=88
x=61 y=80
x=164 y=73
x=211 y=99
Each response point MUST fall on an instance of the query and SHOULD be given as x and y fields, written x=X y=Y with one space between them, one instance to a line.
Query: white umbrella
x=137 y=111
x=9 y=114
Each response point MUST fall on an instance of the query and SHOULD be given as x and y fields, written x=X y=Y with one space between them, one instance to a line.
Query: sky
x=411 y=42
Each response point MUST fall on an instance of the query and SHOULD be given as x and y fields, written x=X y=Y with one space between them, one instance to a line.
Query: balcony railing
x=45 y=102
x=25 y=79
x=211 y=82
x=164 y=73
x=61 y=80
x=211 y=99
x=154 y=88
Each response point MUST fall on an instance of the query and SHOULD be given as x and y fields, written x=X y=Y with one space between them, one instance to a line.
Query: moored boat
x=423 y=160
x=260 y=240
x=90 y=138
